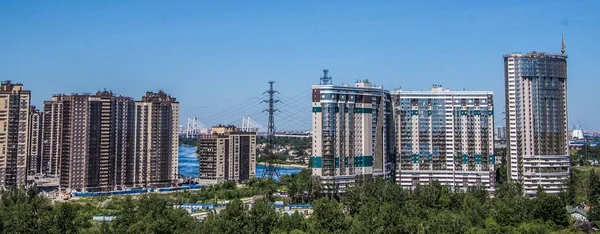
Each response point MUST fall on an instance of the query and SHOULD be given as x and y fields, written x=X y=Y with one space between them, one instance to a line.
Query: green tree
x=511 y=211
x=24 y=211
x=550 y=208
x=501 y=174
x=508 y=190
x=593 y=187
x=367 y=219
x=533 y=228
x=594 y=214
x=569 y=194
x=433 y=195
x=127 y=216
x=153 y=214
x=447 y=222
x=300 y=186
x=393 y=219
x=328 y=217
x=233 y=219
x=289 y=223
x=263 y=218
x=64 y=219
x=229 y=185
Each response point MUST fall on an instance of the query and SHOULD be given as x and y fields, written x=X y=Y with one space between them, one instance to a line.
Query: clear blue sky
x=216 y=57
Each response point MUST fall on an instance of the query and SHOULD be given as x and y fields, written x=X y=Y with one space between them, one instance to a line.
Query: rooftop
x=536 y=54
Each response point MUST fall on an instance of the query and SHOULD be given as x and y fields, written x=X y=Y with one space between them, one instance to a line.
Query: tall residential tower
x=14 y=143
x=35 y=141
x=353 y=134
x=156 y=140
x=446 y=136
x=88 y=141
x=536 y=120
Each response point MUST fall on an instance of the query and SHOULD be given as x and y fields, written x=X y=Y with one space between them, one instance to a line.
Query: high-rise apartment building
x=156 y=140
x=446 y=136
x=536 y=120
x=14 y=143
x=104 y=142
x=500 y=133
x=227 y=154
x=52 y=123
x=353 y=132
x=35 y=141
x=88 y=141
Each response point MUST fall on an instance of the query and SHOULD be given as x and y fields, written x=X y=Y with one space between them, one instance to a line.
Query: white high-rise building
x=446 y=136
x=500 y=133
x=352 y=134
x=577 y=133
x=536 y=120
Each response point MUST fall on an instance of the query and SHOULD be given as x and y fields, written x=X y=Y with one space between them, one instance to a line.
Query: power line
x=233 y=108
x=270 y=170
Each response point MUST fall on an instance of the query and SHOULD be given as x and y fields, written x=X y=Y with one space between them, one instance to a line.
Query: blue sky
x=216 y=57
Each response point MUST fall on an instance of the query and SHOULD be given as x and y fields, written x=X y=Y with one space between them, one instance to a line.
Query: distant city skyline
x=227 y=51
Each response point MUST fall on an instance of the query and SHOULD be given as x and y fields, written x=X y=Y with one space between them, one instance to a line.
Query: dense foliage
x=300 y=186
x=371 y=207
x=228 y=191
x=384 y=207
x=585 y=156
x=24 y=211
x=298 y=143
x=189 y=141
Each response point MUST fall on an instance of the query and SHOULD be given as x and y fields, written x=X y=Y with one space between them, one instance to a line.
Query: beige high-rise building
x=156 y=140
x=536 y=121
x=227 y=154
x=14 y=143
x=35 y=141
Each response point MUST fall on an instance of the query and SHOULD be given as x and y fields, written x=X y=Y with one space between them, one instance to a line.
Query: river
x=188 y=164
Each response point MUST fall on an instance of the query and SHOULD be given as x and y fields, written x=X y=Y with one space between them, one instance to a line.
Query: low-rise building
x=227 y=153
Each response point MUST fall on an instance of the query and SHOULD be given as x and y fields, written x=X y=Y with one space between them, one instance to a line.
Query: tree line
x=375 y=206
x=385 y=207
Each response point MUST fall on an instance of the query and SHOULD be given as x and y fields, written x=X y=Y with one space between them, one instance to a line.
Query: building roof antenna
x=325 y=80
x=562 y=50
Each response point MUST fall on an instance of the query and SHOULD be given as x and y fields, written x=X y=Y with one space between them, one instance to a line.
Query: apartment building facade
x=35 y=141
x=88 y=141
x=14 y=135
x=353 y=132
x=227 y=153
x=96 y=142
x=536 y=120
x=156 y=140
x=446 y=136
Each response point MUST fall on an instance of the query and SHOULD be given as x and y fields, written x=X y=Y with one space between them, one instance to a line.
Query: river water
x=188 y=164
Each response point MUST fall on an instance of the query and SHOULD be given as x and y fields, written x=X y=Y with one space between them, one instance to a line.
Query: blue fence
x=300 y=206
x=96 y=194
x=135 y=192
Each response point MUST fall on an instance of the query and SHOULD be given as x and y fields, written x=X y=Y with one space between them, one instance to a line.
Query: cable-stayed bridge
x=294 y=113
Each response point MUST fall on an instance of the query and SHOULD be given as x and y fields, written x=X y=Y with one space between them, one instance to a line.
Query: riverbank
x=189 y=165
x=286 y=165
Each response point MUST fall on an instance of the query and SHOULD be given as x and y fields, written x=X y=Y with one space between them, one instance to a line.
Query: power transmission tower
x=270 y=170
